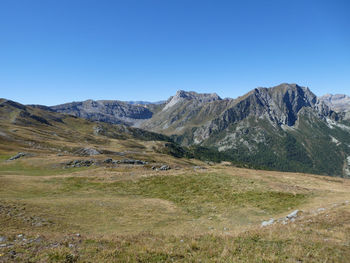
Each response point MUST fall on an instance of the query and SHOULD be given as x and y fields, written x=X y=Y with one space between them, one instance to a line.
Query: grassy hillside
x=112 y=210
x=136 y=214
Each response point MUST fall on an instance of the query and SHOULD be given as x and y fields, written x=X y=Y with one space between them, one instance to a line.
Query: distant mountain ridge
x=286 y=127
x=110 y=111
x=140 y=102
x=338 y=102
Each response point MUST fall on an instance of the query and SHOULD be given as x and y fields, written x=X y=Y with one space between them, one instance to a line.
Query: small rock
x=3 y=245
x=109 y=160
x=321 y=209
x=18 y=155
x=78 y=235
x=181 y=241
x=267 y=223
x=131 y=161
x=70 y=245
x=2 y=239
x=164 y=168
x=294 y=214
x=55 y=244
x=20 y=236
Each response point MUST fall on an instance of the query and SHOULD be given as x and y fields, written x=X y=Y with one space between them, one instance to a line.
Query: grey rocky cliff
x=110 y=111
x=279 y=105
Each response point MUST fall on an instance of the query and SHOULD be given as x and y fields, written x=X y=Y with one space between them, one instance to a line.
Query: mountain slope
x=110 y=111
x=285 y=128
x=27 y=128
x=183 y=110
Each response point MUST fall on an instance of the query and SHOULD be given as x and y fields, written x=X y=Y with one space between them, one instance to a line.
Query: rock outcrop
x=110 y=111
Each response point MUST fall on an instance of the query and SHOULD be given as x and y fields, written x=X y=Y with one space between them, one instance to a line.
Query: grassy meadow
x=136 y=214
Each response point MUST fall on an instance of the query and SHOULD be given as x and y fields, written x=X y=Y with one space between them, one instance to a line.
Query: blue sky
x=55 y=51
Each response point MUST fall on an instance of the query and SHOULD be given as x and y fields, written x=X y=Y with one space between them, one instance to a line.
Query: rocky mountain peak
x=182 y=95
x=282 y=103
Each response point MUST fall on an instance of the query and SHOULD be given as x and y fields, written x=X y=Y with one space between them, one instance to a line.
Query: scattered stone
x=294 y=214
x=2 y=239
x=80 y=163
x=18 y=213
x=3 y=245
x=267 y=223
x=321 y=209
x=20 y=236
x=109 y=160
x=226 y=229
x=164 y=168
x=18 y=155
x=131 y=161
x=98 y=129
x=78 y=235
x=70 y=245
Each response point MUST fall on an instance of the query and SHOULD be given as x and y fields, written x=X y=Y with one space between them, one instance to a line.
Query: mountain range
x=338 y=102
x=286 y=127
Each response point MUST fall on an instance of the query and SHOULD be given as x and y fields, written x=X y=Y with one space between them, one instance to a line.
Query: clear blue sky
x=55 y=51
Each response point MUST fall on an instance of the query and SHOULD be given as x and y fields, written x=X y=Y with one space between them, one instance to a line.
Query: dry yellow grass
x=134 y=214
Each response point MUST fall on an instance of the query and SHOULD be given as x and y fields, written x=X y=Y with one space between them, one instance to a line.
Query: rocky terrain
x=110 y=111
